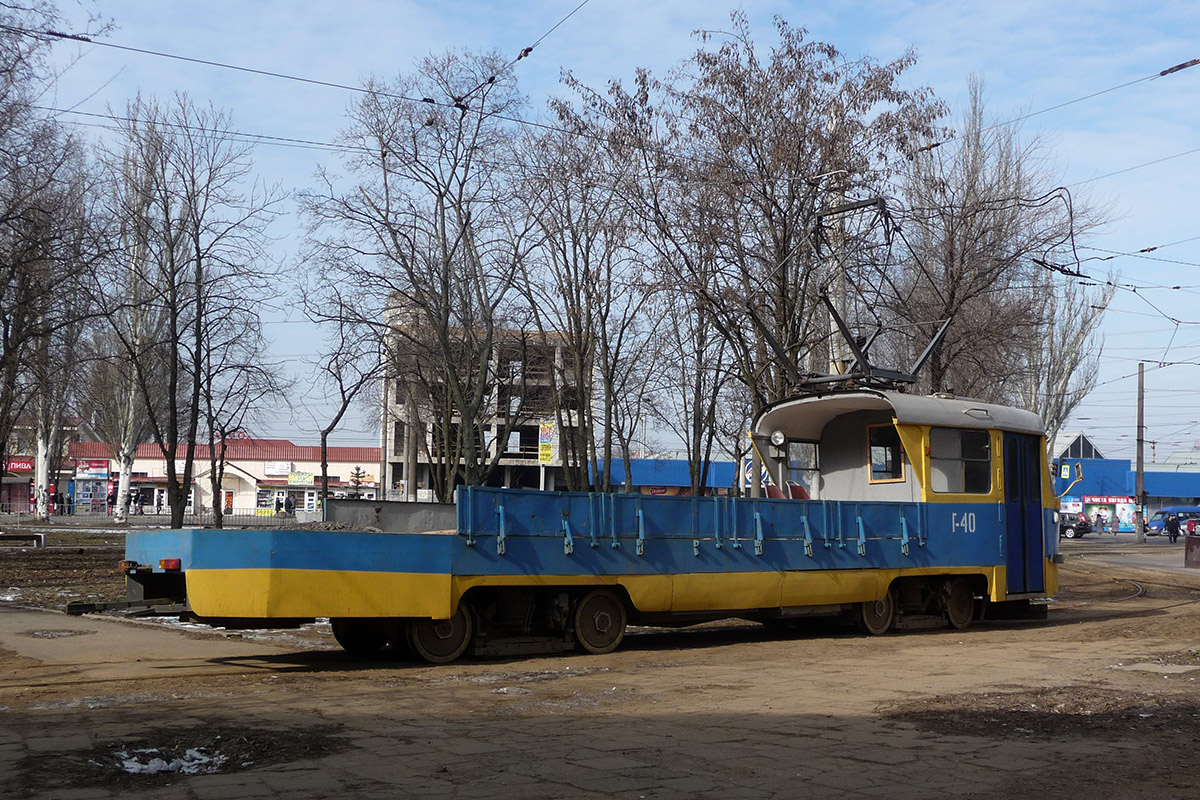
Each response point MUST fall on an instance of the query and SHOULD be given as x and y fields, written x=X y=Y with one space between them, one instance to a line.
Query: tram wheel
x=440 y=641
x=600 y=621
x=960 y=603
x=875 y=616
x=359 y=636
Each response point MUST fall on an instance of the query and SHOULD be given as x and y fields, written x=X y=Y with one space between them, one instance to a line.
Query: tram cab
x=978 y=469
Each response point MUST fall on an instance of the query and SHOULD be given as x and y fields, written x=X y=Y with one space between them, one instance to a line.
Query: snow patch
x=149 y=761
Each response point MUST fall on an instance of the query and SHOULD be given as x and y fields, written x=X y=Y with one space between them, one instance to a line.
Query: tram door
x=1023 y=517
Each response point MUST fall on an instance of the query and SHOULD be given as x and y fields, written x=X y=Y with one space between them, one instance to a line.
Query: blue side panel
x=291 y=549
x=508 y=532
x=147 y=547
x=563 y=533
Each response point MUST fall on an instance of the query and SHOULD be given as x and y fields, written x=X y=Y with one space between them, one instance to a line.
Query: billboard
x=1109 y=514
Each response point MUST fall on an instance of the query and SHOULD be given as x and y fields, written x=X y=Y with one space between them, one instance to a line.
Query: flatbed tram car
x=899 y=511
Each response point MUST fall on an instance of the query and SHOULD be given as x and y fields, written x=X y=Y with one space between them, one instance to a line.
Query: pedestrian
x=70 y=504
x=289 y=505
x=1171 y=526
x=111 y=500
x=278 y=504
x=1191 y=526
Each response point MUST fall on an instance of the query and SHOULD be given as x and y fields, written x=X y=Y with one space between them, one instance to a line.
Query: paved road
x=1123 y=550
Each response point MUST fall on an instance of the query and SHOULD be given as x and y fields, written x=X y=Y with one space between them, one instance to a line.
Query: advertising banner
x=91 y=470
x=748 y=473
x=546 y=443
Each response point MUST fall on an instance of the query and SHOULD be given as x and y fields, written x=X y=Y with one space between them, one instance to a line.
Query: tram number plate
x=964 y=522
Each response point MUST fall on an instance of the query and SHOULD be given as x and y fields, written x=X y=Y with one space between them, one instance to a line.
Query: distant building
x=257 y=474
x=16 y=485
x=1073 y=445
x=1165 y=484
x=522 y=367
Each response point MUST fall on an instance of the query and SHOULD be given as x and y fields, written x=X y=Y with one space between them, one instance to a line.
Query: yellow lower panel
x=648 y=592
x=704 y=592
x=266 y=593
x=834 y=586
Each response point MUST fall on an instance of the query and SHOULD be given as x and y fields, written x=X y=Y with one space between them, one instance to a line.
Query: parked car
x=1072 y=524
x=1155 y=526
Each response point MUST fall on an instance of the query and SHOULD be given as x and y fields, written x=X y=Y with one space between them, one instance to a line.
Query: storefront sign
x=20 y=464
x=300 y=479
x=1105 y=499
x=91 y=470
x=277 y=468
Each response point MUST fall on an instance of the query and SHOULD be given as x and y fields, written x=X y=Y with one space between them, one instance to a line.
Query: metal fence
x=150 y=518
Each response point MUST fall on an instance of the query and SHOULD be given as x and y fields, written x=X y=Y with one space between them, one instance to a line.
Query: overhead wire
x=525 y=52
x=1162 y=73
x=310 y=144
x=457 y=102
x=366 y=91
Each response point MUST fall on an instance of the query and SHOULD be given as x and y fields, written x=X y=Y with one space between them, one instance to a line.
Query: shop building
x=259 y=476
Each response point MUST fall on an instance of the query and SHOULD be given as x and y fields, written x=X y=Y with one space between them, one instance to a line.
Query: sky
x=1130 y=142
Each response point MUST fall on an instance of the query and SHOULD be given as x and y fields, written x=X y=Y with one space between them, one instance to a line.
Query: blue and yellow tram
x=893 y=509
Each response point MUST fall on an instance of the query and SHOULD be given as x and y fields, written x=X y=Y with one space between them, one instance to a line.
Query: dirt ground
x=1100 y=700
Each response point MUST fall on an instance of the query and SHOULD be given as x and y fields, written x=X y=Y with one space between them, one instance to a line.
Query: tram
x=891 y=509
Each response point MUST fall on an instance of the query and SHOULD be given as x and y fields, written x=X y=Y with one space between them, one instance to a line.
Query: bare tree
x=588 y=293
x=237 y=384
x=66 y=313
x=691 y=377
x=108 y=391
x=44 y=230
x=131 y=286
x=349 y=366
x=1062 y=371
x=425 y=245
x=194 y=236
x=982 y=211
x=735 y=153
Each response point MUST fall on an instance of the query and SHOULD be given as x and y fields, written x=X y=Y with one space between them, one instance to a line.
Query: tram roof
x=805 y=417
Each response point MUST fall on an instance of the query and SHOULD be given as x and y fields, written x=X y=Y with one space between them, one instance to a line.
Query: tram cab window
x=802 y=463
x=960 y=461
x=887 y=460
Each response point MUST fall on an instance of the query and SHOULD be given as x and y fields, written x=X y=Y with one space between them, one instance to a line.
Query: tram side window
x=887 y=461
x=960 y=461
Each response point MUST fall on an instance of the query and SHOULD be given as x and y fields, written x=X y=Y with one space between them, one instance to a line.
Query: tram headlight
x=778 y=439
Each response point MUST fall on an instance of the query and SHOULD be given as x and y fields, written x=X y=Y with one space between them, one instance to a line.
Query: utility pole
x=1139 y=517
